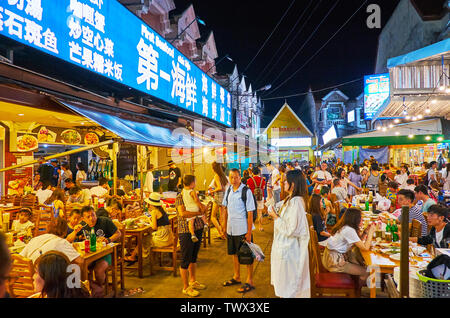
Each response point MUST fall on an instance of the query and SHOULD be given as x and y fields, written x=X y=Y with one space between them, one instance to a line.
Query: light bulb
x=410 y=136
x=440 y=138
x=379 y=128
x=397 y=121
x=447 y=90
x=419 y=116
x=434 y=101
x=441 y=88
x=397 y=133
x=428 y=110
x=414 y=118
x=384 y=129
x=408 y=117
x=390 y=126
x=427 y=137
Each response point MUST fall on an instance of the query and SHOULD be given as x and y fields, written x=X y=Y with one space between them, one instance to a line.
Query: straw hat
x=154 y=199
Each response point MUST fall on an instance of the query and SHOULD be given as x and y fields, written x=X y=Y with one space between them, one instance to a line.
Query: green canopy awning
x=393 y=140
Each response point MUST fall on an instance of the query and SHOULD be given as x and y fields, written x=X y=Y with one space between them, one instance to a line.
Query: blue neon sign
x=376 y=92
x=106 y=38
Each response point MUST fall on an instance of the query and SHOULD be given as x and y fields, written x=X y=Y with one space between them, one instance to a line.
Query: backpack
x=244 y=199
x=245 y=255
x=258 y=193
x=439 y=268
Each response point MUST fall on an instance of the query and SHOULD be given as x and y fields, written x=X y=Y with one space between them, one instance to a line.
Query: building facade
x=413 y=25
x=290 y=136
x=335 y=109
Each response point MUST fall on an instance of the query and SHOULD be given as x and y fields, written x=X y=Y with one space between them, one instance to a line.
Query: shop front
x=411 y=143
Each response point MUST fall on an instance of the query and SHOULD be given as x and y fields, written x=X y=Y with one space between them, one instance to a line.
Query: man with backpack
x=257 y=185
x=240 y=207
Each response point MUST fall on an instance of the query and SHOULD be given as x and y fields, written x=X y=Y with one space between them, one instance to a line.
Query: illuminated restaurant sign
x=376 y=92
x=106 y=38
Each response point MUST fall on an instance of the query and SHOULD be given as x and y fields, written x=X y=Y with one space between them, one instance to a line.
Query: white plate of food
x=70 y=136
x=395 y=257
x=27 y=143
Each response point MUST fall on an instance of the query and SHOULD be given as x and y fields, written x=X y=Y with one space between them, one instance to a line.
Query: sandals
x=132 y=292
x=231 y=282
x=245 y=288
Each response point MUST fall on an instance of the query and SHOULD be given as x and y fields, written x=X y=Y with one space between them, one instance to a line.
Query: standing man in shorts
x=238 y=225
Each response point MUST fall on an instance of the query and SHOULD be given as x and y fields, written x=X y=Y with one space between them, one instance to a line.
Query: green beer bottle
x=93 y=240
x=394 y=232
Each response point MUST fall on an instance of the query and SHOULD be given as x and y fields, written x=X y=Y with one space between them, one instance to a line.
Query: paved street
x=214 y=267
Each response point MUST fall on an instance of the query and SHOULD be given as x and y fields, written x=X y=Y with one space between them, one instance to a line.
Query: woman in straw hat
x=159 y=221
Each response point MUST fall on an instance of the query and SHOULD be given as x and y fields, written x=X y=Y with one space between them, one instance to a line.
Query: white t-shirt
x=43 y=195
x=48 y=242
x=439 y=235
x=148 y=186
x=21 y=228
x=343 y=240
x=275 y=175
x=324 y=175
x=81 y=176
x=401 y=180
x=99 y=191
x=431 y=172
x=409 y=187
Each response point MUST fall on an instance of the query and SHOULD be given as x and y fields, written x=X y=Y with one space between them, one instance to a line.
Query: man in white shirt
x=322 y=177
x=432 y=172
x=52 y=241
x=102 y=189
x=44 y=193
x=402 y=178
x=148 y=185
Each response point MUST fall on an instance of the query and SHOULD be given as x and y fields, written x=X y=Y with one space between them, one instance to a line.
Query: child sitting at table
x=23 y=223
x=192 y=203
x=391 y=193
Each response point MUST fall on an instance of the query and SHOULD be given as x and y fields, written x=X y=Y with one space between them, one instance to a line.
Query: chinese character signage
x=106 y=38
x=376 y=92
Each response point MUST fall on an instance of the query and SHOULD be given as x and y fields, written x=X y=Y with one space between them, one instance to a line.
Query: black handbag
x=245 y=255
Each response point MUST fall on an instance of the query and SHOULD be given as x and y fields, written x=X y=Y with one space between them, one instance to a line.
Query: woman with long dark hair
x=51 y=278
x=220 y=183
x=338 y=255
x=319 y=217
x=290 y=257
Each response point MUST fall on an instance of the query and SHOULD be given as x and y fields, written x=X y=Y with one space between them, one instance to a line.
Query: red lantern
x=222 y=151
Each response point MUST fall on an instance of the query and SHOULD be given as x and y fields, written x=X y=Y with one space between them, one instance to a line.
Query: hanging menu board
x=127 y=160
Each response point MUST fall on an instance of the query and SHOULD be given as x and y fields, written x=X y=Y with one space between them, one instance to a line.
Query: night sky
x=241 y=27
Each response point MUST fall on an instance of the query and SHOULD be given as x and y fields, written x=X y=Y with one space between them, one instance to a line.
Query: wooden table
x=101 y=252
x=140 y=233
x=384 y=268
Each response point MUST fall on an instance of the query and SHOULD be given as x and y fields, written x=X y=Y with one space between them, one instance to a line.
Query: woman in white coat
x=290 y=257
